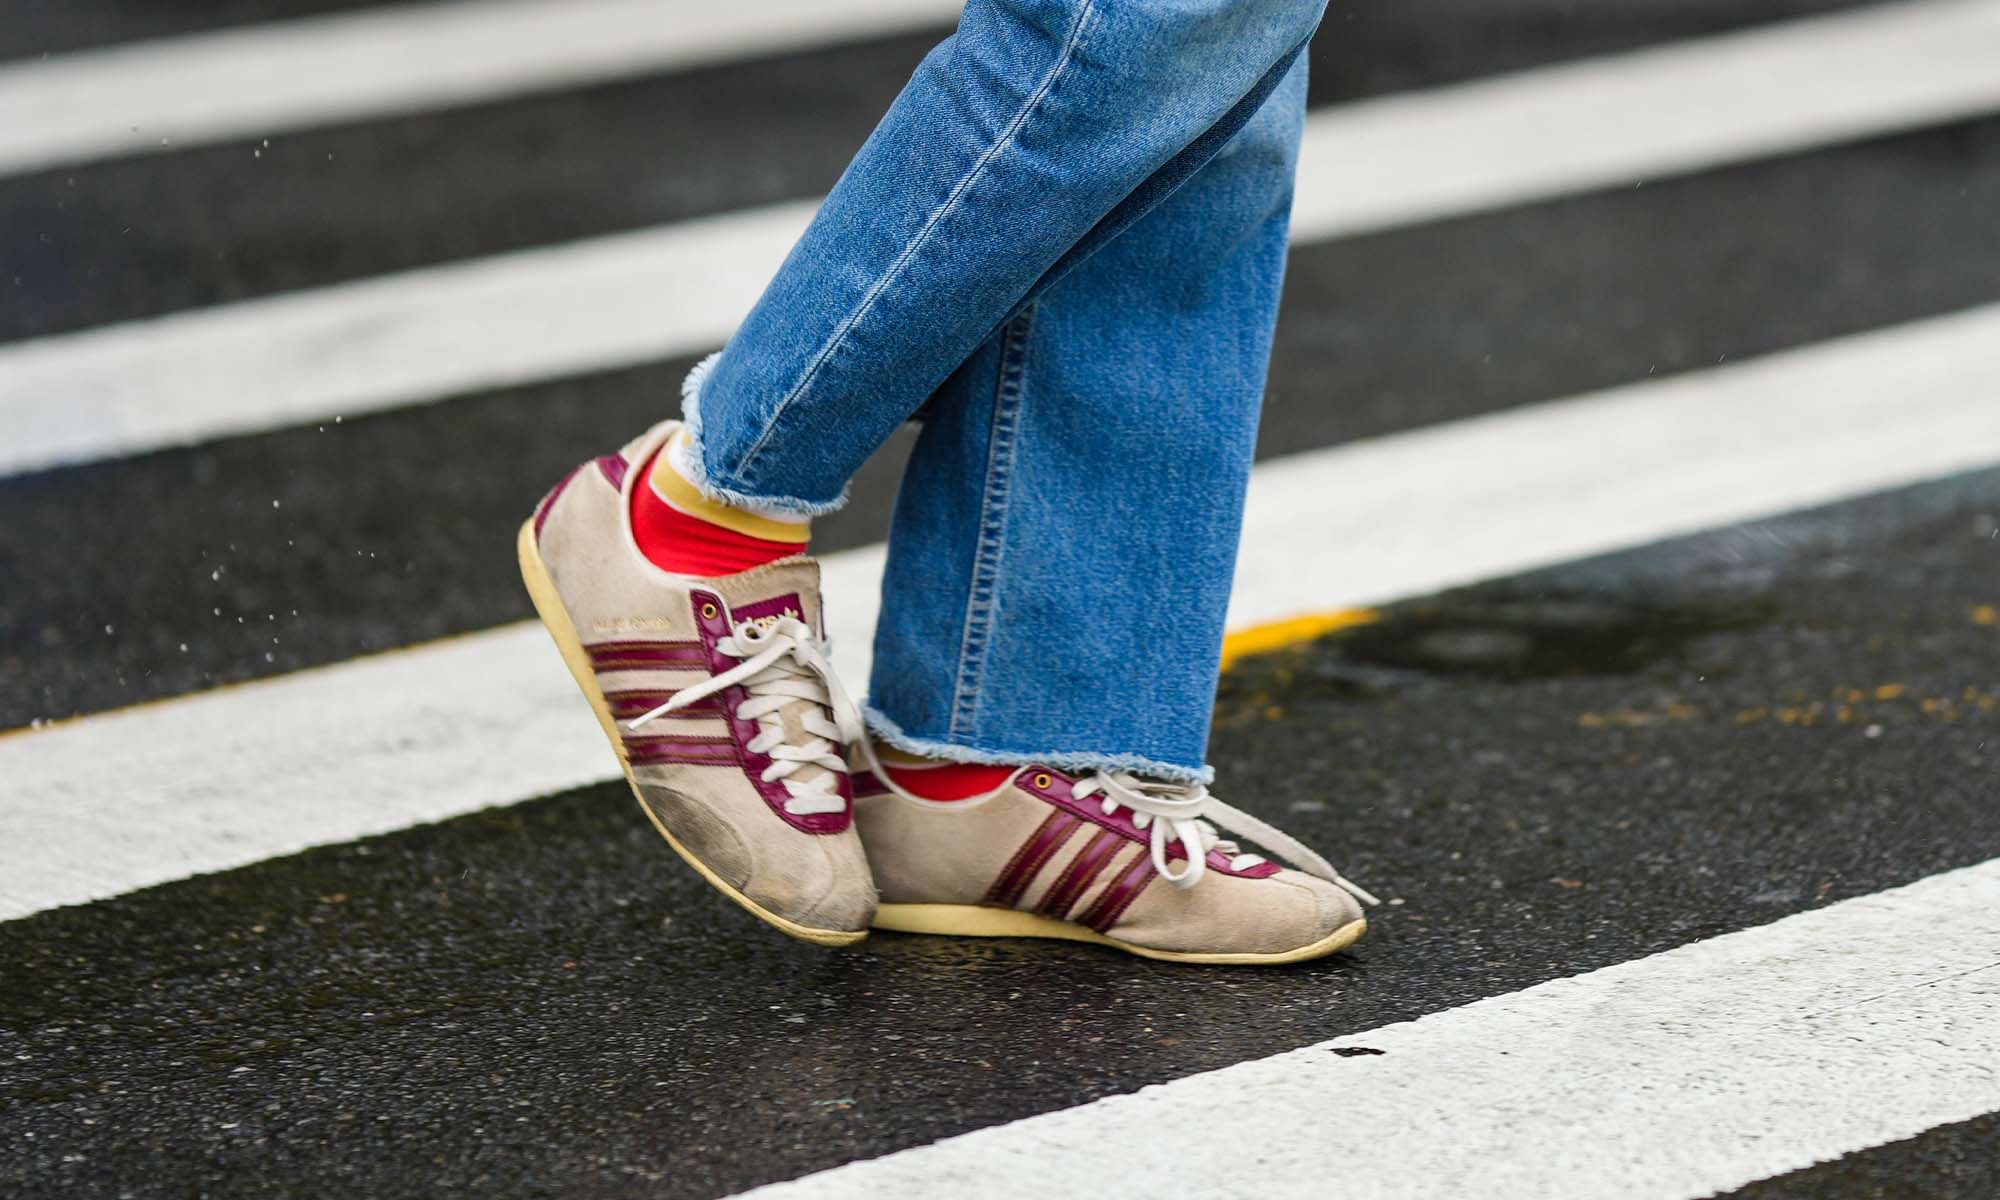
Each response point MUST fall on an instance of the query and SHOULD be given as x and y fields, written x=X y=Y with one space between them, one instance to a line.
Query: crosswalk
x=1605 y=1085
x=378 y=744
x=272 y=79
x=297 y=463
x=632 y=297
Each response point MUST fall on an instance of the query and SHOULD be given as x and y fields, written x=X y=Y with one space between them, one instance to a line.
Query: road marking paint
x=121 y=800
x=231 y=776
x=1289 y=631
x=146 y=97
x=1664 y=110
x=635 y=297
x=1491 y=495
x=1670 y=1077
x=387 y=341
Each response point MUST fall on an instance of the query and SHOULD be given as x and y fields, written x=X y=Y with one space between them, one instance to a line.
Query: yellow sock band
x=680 y=492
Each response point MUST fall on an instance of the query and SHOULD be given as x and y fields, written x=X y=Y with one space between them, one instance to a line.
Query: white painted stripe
x=1664 y=110
x=206 y=782
x=629 y=298
x=268 y=79
x=1667 y=1078
x=388 y=341
x=1496 y=494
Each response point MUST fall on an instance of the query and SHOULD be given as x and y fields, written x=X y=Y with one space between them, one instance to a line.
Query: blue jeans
x=1064 y=246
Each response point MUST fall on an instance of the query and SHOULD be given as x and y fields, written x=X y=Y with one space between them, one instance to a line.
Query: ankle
x=938 y=779
x=680 y=529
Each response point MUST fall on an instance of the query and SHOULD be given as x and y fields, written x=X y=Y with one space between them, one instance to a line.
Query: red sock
x=680 y=530
x=947 y=780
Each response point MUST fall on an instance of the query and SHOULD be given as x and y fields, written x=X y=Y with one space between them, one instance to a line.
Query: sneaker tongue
x=788 y=587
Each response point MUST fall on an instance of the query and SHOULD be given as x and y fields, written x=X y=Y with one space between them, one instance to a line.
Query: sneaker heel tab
x=641 y=449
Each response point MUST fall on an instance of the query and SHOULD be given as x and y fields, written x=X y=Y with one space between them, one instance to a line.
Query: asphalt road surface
x=1579 y=766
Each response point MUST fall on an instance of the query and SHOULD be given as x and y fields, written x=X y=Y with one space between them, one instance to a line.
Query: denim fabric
x=1065 y=243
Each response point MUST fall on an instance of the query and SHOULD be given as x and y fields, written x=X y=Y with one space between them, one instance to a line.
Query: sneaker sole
x=555 y=618
x=974 y=920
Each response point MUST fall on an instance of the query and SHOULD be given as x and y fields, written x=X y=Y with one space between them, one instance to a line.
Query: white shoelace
x=1186 y=813
x=782 y=664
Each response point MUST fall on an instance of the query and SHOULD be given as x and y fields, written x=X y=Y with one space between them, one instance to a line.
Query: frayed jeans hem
x=1081 y=762
x=719 y=487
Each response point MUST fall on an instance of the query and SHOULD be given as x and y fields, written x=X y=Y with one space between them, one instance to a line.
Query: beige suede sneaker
x=717 y=695
x=1094 y=859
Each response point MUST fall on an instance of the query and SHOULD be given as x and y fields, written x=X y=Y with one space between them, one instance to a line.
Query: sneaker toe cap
x=825 y=885
x=1317 y=911
x=1337 y=908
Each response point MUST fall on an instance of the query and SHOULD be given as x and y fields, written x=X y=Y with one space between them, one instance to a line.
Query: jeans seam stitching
x=989 y=551
x=1074 y=40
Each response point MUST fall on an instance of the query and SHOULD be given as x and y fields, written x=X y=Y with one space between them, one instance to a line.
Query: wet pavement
x=135 y=237
x=1546 y=774
x=255 y=555
x=1947 y=1162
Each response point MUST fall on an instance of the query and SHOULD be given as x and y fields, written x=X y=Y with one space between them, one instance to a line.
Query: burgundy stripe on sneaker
x=614 y=467
x=1120 y=895
x=1029 y=859
x=697 y=751
x=1077 y=877
x=626 y=705
x=621 y=656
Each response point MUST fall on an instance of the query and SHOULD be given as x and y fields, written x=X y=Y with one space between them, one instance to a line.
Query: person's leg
x=1024 y=146
x=1023 y=143
x=1060 y=562
x=1058 y=576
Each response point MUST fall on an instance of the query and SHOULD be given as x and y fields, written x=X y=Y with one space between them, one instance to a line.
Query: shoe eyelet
x=708 y=612
x=1043 y=781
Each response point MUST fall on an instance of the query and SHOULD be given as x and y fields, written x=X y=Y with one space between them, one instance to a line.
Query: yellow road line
x=1276 y=635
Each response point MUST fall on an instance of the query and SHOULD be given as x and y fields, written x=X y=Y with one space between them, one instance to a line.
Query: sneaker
x=1104 y=858
x=718 y=697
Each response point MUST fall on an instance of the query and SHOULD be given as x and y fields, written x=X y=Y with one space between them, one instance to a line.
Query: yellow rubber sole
x=973 y=920
x=555 y=618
